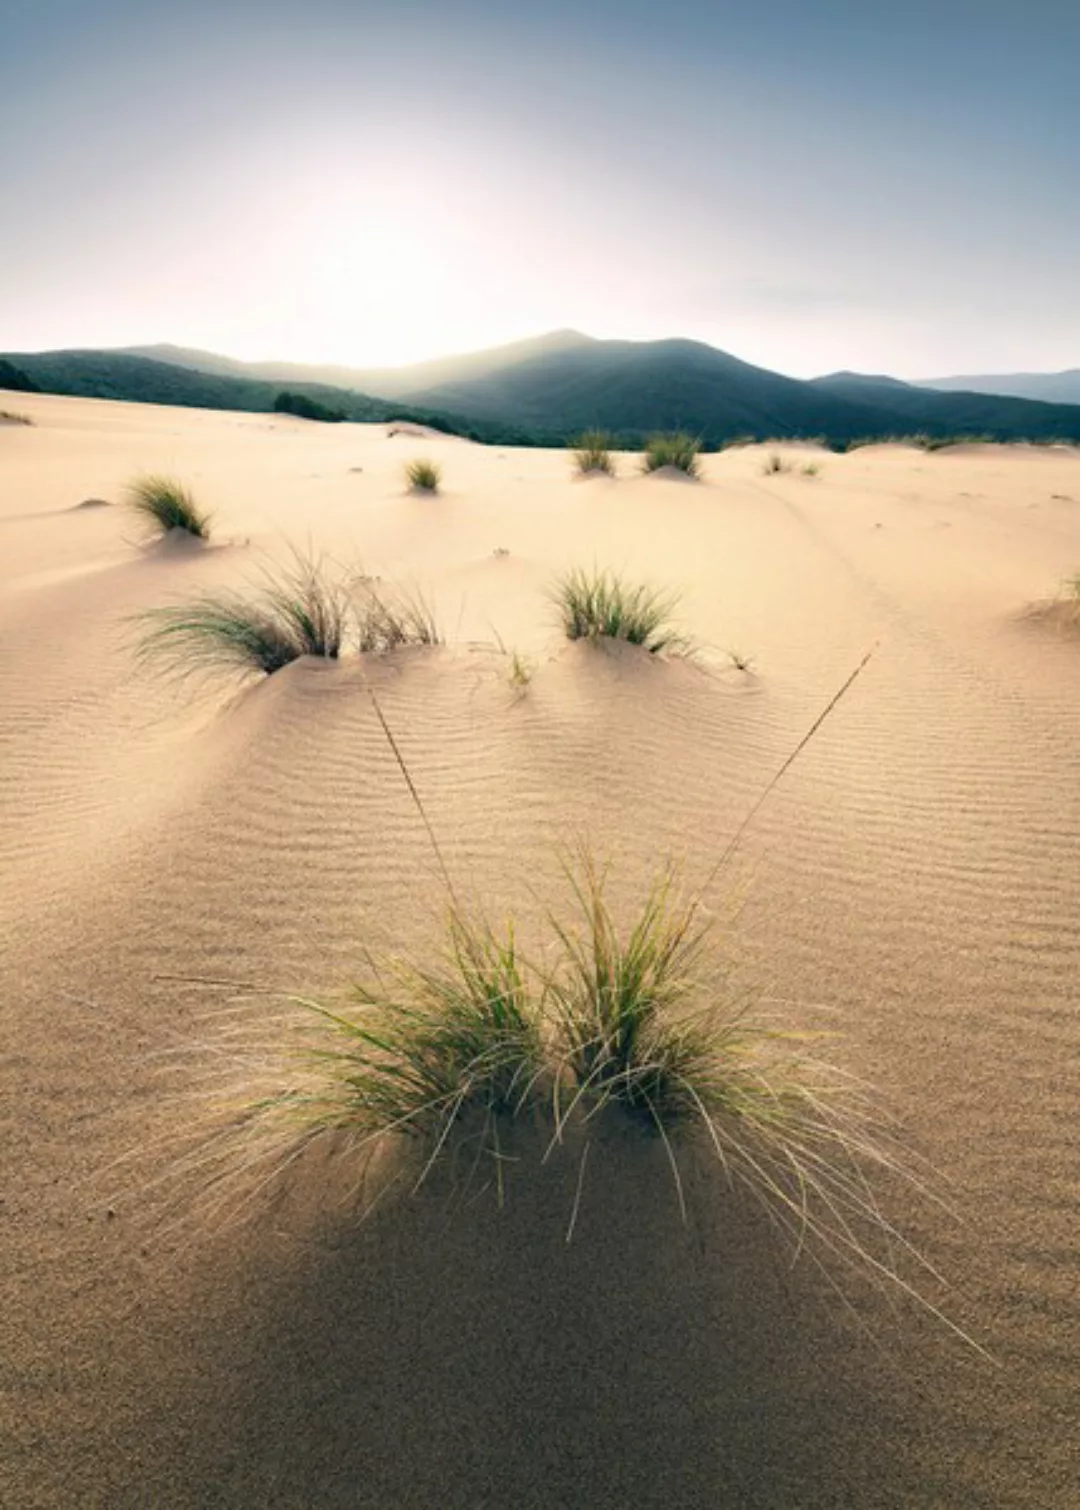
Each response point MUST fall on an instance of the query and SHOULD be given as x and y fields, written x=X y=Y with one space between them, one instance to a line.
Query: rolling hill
x=546 y=390
x=1047 y=387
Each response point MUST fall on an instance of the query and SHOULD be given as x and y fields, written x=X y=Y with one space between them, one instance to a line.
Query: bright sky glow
x=806 y=185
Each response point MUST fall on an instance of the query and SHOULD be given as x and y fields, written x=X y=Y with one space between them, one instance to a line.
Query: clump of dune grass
x=639 y=1026
x=423 y=476
x=387 y=619
x=15 y=417
x=679 y=451
x=811 y=469
x=600 y=605
x=592 y=453
x=740 y=661
x=302 y=608
x=774 y=463
x=441 y=1058
x=163 y=504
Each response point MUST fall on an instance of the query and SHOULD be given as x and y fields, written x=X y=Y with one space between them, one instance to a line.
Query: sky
x=808 y=184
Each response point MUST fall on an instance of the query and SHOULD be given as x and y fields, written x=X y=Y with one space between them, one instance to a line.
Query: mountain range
x=548 y=389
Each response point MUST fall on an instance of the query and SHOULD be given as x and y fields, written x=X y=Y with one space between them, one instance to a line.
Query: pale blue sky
x=808 y=185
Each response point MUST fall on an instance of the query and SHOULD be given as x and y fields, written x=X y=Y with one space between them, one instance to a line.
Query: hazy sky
x=809 y=184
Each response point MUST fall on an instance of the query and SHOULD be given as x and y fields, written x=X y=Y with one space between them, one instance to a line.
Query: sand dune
x=913 y=883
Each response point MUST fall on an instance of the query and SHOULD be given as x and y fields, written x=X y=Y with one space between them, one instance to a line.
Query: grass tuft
x=163 y=504
x=592 y=453
x=774 y=464
x=811 y=469
x=639 y=1024
x=599 y=605
x=678 y=451
x=444 y=1056
x=386 y=620
x=15 y=417
x=423 y=476
x=300 y=609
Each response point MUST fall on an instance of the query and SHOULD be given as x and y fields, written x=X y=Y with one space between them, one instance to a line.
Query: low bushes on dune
x=679 y=452
x=305 y=608
x=592 y=454
x=600 y=605
x=162 y=504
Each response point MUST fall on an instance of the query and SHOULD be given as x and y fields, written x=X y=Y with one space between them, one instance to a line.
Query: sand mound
x=173 y=861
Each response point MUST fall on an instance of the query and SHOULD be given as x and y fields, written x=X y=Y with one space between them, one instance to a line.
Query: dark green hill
x=15 y=380
x=117 y=375
x=632 y=388
x=937 y=414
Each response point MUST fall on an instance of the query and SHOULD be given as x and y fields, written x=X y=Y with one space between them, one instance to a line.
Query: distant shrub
x=163 y=504
x=423 y=476
x=592 y=453
x=307 y=408
x=599 y=605
x=678 y=451
x=15 y=379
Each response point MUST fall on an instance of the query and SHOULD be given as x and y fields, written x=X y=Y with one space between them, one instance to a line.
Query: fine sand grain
x=913 y=884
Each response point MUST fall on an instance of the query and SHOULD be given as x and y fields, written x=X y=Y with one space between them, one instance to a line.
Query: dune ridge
x=911 y=884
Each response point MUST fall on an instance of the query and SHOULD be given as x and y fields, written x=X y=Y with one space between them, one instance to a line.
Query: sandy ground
x=913 y=883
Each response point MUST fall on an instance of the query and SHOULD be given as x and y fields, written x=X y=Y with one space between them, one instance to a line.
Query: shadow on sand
x=447 y=1353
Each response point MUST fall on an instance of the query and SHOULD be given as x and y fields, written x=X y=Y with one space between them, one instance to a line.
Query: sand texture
x=913 y=883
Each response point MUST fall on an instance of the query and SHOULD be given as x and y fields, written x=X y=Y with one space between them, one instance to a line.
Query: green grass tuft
x=423 y=476
x=599 y=605
x=592 y=453
x=679 y=451
x=441 y=1056
x=640 y=1023
x=301 y=609
x=163 y=504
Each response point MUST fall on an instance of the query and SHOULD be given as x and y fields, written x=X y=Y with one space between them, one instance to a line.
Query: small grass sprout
x=163 y=504
x=679 y=451
x=386 y=619
x=811 y=469
x=600 y=605
x=775 y=464
x=592 y=453
x=520 y=672
x=423 y=476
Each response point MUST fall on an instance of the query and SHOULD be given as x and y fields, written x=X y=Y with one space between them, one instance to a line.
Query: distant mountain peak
x=874 y=379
